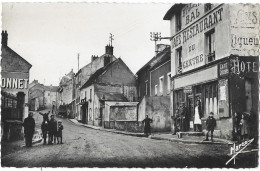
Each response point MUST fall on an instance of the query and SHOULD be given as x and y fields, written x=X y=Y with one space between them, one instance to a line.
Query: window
x=208 y=6
x=155 y=89
x=179 y=59
x=178 y=21
x=210 y=45
x=211 y=103
x=161 y=80
x=90 y=94
x=168 y=82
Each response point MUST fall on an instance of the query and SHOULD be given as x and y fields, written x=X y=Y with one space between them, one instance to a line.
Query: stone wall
x=158 y=109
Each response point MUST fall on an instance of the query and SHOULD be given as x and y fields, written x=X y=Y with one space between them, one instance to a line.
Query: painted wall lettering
x=193 y=61
x=240 y=41
x=204 y=24
x=14 y=83
x=192 y=47
x=240 y=66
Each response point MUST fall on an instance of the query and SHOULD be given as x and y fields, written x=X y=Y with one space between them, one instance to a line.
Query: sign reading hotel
x=14 y=83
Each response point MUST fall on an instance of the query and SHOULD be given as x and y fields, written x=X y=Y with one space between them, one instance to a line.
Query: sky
x=50 y=35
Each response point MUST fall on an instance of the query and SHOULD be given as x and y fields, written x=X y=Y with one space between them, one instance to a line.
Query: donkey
x=45 y=125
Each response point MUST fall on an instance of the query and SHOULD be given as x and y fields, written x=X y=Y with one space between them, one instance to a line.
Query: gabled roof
x=51 y=88
x=160 y=58
x=111 y=96
x=175 y=8
x=12 y=51
x=99 y=72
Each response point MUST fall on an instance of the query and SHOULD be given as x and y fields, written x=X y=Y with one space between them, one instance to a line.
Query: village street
x=85 y=147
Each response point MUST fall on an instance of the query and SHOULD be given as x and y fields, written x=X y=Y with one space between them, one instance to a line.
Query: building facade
x=42 y=97
x=84 y=74
x=215 y=60
x=114 y=82
x=153 y=82
x=15 y=72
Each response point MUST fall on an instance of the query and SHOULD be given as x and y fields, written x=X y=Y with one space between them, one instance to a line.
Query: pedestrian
x=45 y=126
x=244 y=127
x=52 y=129
x=197 y=117
x=147 y=127
x=29 y=126
x=59 y=132
x=210 y=125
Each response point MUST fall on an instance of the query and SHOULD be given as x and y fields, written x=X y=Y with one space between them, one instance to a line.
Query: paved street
x=85 y=147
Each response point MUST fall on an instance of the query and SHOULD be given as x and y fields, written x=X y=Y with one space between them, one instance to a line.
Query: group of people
x=51 y=129
x=182 y=120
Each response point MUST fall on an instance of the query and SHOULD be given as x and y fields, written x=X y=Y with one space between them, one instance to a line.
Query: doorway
x=191 y=112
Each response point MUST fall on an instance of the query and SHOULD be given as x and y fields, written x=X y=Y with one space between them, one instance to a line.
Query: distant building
x=66 y=93
x=42 y=97
x=214 y=59
x=15 y=72
x=154 y=83
x=113 y=82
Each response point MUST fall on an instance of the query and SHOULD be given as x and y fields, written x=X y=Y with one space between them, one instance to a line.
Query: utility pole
x=78 y=62
x=111 y=38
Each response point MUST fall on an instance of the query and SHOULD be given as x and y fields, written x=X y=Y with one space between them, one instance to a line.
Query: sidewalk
x=161 y=136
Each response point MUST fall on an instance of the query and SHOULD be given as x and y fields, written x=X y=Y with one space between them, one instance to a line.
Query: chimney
x=93 y=57
x=109 y=49
x=160 y=48
x=4 y=38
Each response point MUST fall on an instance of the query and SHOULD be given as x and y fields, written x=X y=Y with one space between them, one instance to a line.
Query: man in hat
x=52 y=129
x=29 y=126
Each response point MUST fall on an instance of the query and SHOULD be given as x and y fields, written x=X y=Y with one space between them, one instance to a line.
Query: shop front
x=228 y=88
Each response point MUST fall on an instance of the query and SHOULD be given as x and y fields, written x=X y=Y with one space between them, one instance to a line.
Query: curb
x=188 y=141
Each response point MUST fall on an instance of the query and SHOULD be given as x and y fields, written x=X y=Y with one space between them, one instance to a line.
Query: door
x=191 y=112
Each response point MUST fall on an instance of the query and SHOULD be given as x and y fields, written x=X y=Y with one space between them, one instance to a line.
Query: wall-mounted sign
x=243 y=65
x=14 y=83
x=187 y=89
x=223 y=69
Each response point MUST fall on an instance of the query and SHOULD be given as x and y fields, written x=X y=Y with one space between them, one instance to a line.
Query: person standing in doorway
x=29 y=126
x=197 y=117
x=147 y=127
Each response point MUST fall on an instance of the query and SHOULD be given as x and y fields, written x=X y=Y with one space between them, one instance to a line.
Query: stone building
x=42 y=97
x=214 y=60
x=153 y=83
x=66 y=92
x=113 y=82
x=15 y=72
x=84 y=74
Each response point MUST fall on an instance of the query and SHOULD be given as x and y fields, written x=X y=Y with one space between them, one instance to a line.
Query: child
x=210 y=125
x=243 y=127
x=59 y=132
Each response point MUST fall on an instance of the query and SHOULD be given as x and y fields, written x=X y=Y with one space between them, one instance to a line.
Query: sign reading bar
x=14 y=83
